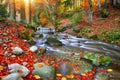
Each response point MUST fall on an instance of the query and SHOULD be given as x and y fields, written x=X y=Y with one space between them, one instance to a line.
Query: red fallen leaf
x=77 y=76
x=66 y=60
x=103 y=70
x=94 y=69
x=59 y=59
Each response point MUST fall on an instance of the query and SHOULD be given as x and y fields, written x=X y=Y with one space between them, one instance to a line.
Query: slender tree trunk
x=22 y=11
x=90 y=13
x=29 y=10
x=12 y=11
x=99 y=4
x=114 y=2
x=106 y=3
x=119 y=2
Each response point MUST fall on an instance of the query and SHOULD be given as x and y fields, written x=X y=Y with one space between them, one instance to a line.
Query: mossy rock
x=98 y=59
x=41 y=50
x=53 y=42
x=44 y=71
x=77 y=29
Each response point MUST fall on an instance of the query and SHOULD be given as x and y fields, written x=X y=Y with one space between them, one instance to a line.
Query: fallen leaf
x=109 y=70
x=64 y=78
x=58 y=74
x=37 y=76
x=40 y=65
x=1 y=68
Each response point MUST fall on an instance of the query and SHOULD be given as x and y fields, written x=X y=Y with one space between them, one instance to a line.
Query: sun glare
x=26 y=1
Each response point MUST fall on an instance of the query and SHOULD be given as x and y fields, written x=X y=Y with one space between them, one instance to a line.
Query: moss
x=53 y=42
x=94 y=36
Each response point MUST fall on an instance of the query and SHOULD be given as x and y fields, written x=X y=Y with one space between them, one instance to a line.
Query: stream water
x=74 y=44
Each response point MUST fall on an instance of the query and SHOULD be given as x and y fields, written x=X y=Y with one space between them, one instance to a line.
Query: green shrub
x=78 y=16
x=104 y=13
x=101 y=37
x=3 y=11
x=68 y=15
x=94 y=36
x=60 y=28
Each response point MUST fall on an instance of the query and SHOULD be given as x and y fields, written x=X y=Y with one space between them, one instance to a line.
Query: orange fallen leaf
x=1 y=68
x=40 y=65
x=47 y=62
x=70 y=76
x=20 y=71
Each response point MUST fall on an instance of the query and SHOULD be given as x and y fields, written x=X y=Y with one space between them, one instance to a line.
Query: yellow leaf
x=59 y=74
x=109 y=70
x=37 y=76
x=64 y=78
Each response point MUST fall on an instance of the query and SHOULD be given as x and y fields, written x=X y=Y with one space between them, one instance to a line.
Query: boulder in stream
x=44 y=71
x=53 y=42
x=33 y=48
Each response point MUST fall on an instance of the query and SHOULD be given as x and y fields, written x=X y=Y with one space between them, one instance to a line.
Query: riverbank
x=103 y=29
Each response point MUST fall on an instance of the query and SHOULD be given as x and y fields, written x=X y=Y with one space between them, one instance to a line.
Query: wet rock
x=33 y=48
x=44 y=71
x=85 y=66
x=17 y=51
x=65 y=68
x=64 y=42
x=13 y=76
x=16 y=67
x=53 y=42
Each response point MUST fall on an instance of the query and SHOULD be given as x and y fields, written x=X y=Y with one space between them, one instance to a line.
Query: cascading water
x=71 y=42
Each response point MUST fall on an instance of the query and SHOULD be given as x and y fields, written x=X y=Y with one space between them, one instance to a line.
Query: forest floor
x=103 y=28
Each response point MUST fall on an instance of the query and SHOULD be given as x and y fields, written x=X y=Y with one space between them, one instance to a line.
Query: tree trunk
x=106 y=3
x=29 y=10
x=99 y=4
x=114 y=2
x=12 y=9
x=22 y=11
x=90 y=13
